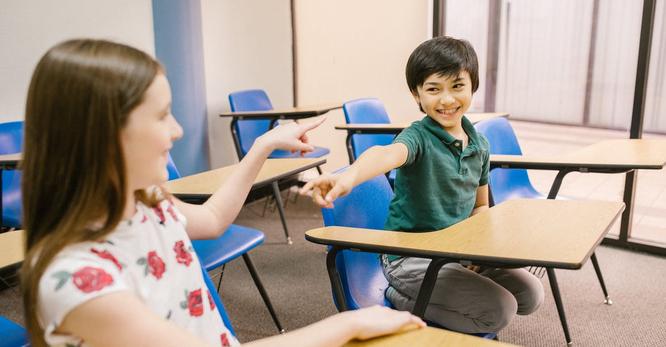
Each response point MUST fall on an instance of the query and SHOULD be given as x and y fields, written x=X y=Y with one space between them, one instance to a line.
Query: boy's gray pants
x=463 y=300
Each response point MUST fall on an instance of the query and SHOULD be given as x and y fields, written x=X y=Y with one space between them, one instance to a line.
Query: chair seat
x=316 y=153
x=235 y=241
x=13 y=335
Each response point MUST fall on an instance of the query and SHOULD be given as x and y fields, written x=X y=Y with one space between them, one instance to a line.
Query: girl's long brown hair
x=79 y=99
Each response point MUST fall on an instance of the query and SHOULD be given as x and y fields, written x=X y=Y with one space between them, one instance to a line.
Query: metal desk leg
x=334 y=277
x=427 y=286
x=236 y=137
x=597 y=269
x=350 y=150
x=278 y=201
x=557 y=183
x=558 y=302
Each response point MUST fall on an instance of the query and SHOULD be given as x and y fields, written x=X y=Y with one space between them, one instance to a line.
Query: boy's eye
x=432 y=90
x=458 y=85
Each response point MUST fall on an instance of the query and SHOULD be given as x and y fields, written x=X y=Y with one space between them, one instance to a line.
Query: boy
x=442 y=179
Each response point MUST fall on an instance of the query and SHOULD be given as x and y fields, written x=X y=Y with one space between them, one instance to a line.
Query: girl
x=109 y=260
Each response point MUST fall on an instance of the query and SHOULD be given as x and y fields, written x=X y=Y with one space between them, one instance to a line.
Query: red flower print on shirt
x=183 y=256
x=211 y=302
x=104 y=254
x=193 y=302
x=153 y=264
x=91 y=279
x=88 y=279
x=224 y=340
x=160 y=214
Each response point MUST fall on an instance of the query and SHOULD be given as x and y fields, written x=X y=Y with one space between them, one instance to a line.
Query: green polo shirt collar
x=446 y=138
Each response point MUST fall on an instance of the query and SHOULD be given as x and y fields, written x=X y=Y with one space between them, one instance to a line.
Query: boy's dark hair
x=442 y=55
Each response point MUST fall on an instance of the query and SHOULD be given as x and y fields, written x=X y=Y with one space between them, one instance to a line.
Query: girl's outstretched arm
x=213 y=217
x=120 y=319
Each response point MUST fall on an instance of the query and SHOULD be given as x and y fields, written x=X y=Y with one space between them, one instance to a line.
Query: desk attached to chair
x=203 y=185
x=396 y=128
x=12 y=246
x=427 y=337
x=517 y=233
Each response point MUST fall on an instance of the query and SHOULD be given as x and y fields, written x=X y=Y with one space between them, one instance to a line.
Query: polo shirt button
x=457 y=144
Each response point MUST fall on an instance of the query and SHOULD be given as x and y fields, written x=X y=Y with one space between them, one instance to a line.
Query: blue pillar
x=179 y=47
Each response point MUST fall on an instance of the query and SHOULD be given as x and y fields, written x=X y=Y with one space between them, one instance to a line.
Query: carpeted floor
x=295 y=277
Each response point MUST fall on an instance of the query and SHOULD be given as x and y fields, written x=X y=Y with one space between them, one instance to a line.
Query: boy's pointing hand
x=326 y=188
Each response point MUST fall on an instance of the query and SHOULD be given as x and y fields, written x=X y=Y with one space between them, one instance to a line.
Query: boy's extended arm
x=375 y=161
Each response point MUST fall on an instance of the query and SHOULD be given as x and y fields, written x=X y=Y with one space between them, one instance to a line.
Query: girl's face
x=149 y=135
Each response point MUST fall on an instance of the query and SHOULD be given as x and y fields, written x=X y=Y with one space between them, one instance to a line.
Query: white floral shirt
x=149 y=255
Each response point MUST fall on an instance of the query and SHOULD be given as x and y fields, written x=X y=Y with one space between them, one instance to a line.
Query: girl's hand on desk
x=290 y=137
x=378 y=320
x=326 y=188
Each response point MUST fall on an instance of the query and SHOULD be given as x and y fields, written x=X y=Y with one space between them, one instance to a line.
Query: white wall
x=350 y=49
x=247 y=45
x=29 y=27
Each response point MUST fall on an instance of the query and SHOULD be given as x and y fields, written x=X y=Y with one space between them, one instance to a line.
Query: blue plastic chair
x=236 y=241
x=11 y=141
x=245 y=132
x=13 y=335
x=363 y=281
x=506 y=184
x=363 y=111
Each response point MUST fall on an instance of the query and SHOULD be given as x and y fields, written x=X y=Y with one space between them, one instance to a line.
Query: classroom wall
x=247 y=45
x=352 y=49
x=29 y=27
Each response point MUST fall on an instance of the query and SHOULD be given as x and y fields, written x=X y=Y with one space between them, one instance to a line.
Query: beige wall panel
x=247 y=45
x=352 y=49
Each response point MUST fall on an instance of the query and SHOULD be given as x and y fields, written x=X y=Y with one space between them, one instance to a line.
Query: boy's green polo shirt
x=436 y=187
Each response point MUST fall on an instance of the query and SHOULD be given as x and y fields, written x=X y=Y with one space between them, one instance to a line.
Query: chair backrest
x=13 y=335
x=11 y=141
x=505 y=183
x=366 y=110
x=248 y=130
x=172 y=169
x=366 y=206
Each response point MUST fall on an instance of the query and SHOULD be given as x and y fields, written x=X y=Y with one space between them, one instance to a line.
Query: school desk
x=293 y=113
x=11 y=247
x=396 y=128
x=516 y=233
x=7 y=162
x=427 y=337
x=203 y=185
x=609 y=156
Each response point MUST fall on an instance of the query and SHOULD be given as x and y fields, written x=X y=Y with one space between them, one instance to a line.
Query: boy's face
x=446 y=98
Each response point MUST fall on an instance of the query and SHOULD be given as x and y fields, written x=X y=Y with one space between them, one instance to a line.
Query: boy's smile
x=445 y=99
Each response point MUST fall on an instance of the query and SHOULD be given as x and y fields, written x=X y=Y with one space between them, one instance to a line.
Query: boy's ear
x=415 y=94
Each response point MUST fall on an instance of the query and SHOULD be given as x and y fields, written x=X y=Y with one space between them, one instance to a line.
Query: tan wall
x=247 y=45
x=352 y=49
x=28 y=28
